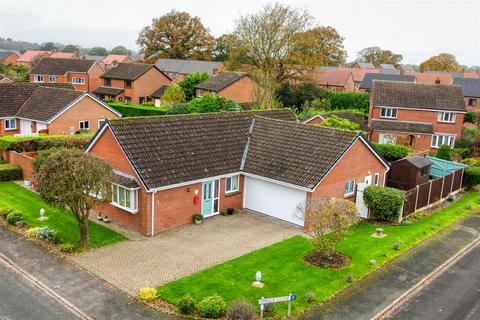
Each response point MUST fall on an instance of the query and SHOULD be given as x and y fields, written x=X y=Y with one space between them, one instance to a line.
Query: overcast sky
x=417 y=29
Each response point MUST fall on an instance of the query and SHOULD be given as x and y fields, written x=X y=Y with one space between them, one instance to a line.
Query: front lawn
x=29 y=203
x=285 y=272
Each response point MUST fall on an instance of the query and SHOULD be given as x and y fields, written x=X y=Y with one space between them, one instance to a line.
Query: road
x=21 y=300
x=454 y=295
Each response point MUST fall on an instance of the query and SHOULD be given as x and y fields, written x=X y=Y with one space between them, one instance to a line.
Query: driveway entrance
x=176 y=253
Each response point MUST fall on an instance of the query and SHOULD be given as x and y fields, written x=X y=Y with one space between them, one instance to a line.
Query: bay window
x=125 y=198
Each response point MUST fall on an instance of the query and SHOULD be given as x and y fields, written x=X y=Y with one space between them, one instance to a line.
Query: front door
x=25 y=126
x=361 y=207
x=210 y=197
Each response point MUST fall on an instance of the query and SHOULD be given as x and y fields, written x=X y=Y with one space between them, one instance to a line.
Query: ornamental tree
x=340 y=123
x=384 y=202
x=74 y=180
x=173 y=95
x=329 y=221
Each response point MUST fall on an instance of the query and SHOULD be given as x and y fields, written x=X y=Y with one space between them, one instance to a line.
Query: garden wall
x=432 y=191
x=25 y=161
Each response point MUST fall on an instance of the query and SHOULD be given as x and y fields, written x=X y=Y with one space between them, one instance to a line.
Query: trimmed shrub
x=67 y=247
x=210 y=103
x=392 y=152
x=186 y=305
x=347 y=100
x=5 y=211
x=460 y=153
x=472 y=177
x=212 y=307
x=384 y=202
x=32 y=232
x=241 y=309
x=46 y=233
x=147 y=294
x=14 y=217
x=43 y=142
x=340 y=123
x=129 y=110
x=10 y=172
x=444 y=152
x=471 y=161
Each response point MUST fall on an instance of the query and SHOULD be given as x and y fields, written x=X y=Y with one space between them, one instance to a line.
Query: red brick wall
x=4 y=132
x=472 y=108
x=360 y=162
x=315 y=121
x=241 y=91
x=85 y=109
x=25 y=161
x=422 y=141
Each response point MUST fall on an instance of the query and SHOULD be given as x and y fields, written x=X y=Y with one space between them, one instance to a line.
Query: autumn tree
x=329 y=221
x=121 y=50
x=442 y=62
x=176 y=35
x=377 y=56
x=74 y=180
x=269 y=39
x=323 y=45
x=98 y=51
x=224 y=45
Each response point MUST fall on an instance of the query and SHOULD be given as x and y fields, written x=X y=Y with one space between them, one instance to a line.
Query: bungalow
x=471 y=91
x=27 y=109
x=112 y=60
x=421 y=116
x=4 y=79
x=84 y=75
x=131 y=83
x=262 y=161
x=367 y=82
x=29 y=57
x=336 y=80
x=8 y=57
x=236 y=86
x=177 y=69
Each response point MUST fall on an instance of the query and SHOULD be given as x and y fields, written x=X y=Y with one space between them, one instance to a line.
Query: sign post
x=289 y=299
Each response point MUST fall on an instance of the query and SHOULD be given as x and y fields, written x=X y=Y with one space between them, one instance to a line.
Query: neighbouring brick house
x=112 y=60
x=131 y=83
x=27 y=109
x=8 y=57
x=237 y=86
x=262 y=161
x=359 y=74
x=64 y=55
x=84 y=75
x=471 y=91
x=336 y=80
x=366 y=85
x=431 y=78
x=422 y=116
x=29 y=57
x=177 y=69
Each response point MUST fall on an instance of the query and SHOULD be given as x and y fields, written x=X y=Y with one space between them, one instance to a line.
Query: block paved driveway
x=153 y=261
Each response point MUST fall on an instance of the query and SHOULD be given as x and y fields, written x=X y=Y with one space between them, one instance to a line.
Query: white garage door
x=273 y=199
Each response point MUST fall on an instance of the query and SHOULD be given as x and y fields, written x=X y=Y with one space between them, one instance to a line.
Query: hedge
x=130 y=110
x=384 y=202
x=472 y=177
x=392 y=152
x=347 y=100
x=10 y=172
x=44 y=142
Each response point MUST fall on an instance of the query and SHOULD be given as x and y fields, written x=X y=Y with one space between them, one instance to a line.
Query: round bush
x=147 y=294
x=46 y=233
x=472 y=177
x=212 y=307
x=5 y=211
x=186 y=305
x=384 y=202
x=241 y=310
x=14 y=217
x=67 y=247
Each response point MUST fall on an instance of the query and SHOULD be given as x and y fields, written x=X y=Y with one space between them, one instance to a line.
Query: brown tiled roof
x=350 y=116
x=418 y=95
x=295 y=153
x=110 y=91
x=45 y=102
x=337 y=78
x=60 y=66
x=401 y=126
x=221 y=80
x=431 y=78
x=125 y=181
x=13 y=96
x=170 y=150
x=159 y=92
x=128 y=71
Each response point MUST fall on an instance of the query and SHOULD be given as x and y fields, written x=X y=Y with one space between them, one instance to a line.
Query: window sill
x=347 y=196
x=124 y=208
x=388 y=118
x=232 y=193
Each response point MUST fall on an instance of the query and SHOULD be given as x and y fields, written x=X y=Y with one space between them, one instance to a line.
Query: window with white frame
x=349 y=188
x=472 y=102
x=37 y=78
x=199 y=92
x=232 y=183
x=440 y=139
x=85 y=125
x=390 y=113
x=10 y=124
x=125 y=198
x=446 y=117
x=78 y=80
x=52 y=79
x=376 y=179
x=387 y=138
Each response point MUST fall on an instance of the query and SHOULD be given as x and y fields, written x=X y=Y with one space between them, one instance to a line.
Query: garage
x=273 y=199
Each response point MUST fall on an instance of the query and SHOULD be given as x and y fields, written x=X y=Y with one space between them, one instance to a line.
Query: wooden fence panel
x=447 y=185
x=435 y=191
x=423 y=191
x=410 y=199
x=457 y=181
